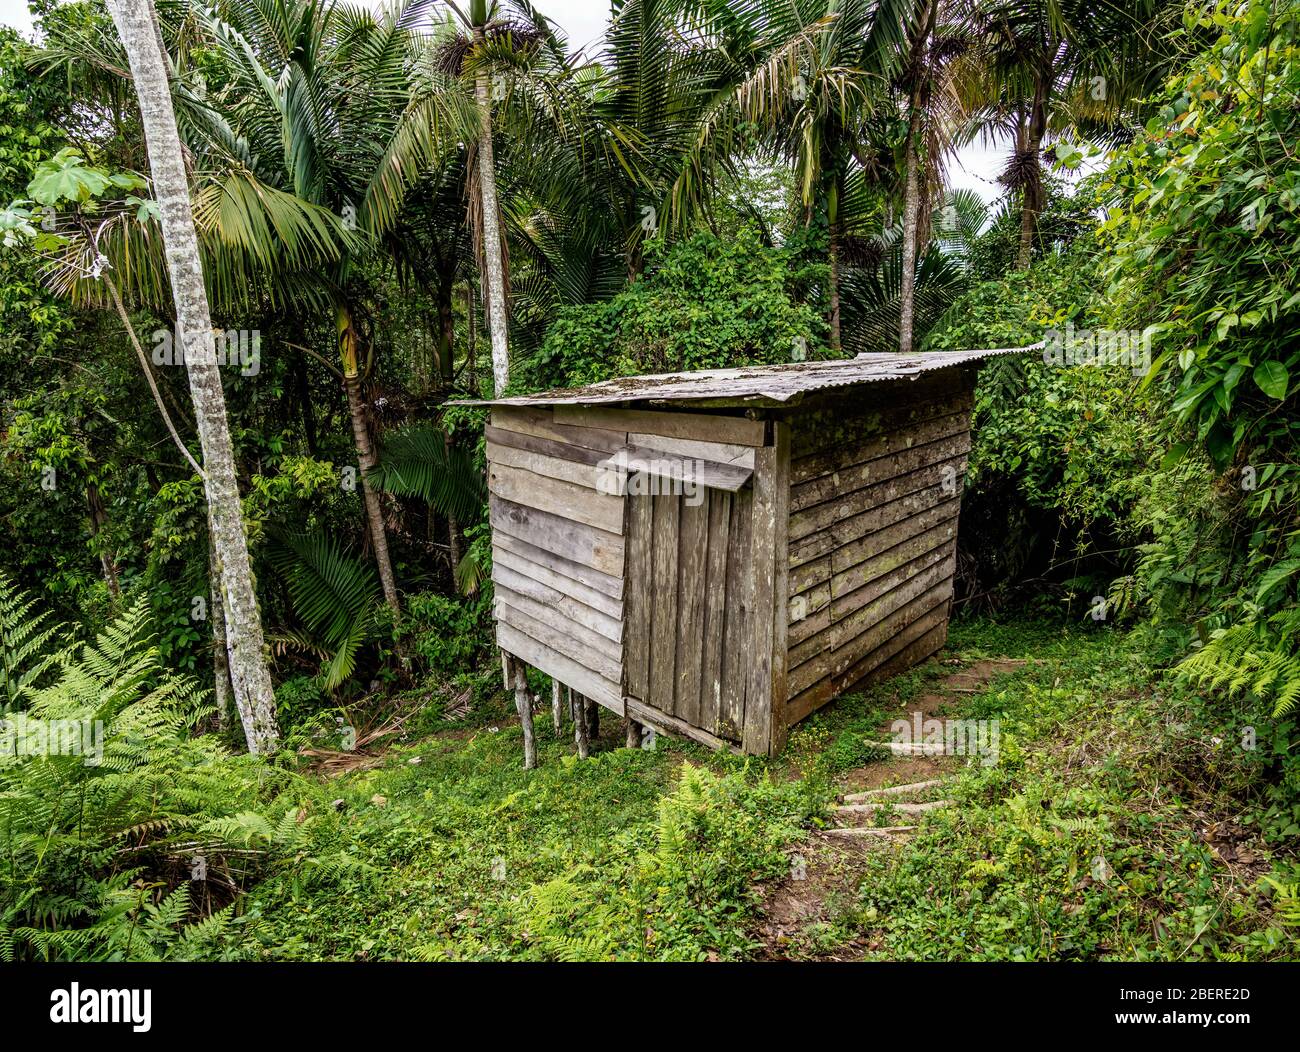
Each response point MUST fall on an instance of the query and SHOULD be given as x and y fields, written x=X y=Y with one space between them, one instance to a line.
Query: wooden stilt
x=633 y=733
x=578 y=710
x=593 y=719
x=524 y=704
x=557 y=711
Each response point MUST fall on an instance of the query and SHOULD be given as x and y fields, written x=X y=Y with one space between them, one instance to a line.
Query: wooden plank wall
x=557 y=550
x=690 y=593
x=874 y=497
x=561 y=549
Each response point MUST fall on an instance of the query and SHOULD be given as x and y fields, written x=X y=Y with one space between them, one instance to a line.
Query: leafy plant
x=336 y=597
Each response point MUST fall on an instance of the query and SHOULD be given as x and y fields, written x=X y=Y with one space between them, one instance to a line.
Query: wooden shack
x=717 y=554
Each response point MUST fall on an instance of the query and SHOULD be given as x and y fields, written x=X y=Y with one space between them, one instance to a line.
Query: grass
x=1085 y=841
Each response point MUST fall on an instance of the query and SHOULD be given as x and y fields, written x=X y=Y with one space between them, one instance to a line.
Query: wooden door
x=688 y=591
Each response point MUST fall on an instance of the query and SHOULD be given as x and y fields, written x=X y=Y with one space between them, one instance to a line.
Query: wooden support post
x=556 y=710
x=593 y=719
x=633 y=733
x=524 y=704
x=577 y=708
x=765 y=692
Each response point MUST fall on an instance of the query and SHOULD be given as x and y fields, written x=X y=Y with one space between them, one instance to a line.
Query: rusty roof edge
x=759 y=397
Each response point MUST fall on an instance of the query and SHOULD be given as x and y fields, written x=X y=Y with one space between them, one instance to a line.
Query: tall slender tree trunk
x=1032 y=198
x=834 y=255
x=911 y=234
x=912 y=190
x=107 y=561
x=471 y=337
x=493 y=261
x=220 y=662
x=446 y=329
x=249 y=677
x=350 y=355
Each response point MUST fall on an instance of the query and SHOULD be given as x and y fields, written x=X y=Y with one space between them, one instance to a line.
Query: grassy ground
x=1121 y=821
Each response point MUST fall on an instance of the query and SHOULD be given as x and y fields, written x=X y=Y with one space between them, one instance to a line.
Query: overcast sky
x=583 y=22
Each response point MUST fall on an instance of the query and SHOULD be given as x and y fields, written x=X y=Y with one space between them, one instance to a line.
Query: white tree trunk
x=492 y=260
x=911 y=233
x=250 y=680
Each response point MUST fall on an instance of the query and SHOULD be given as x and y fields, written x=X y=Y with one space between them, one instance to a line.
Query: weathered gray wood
x=885 y=429
x=524 y=706
x=663 y=603
x=591 y=713
x=700 y=427
x=578 y=713
x=845 y=585
x=583 y=475
x=549 y=599
x=810 y=578
x=610 y=649
x=771 y=495
x=557 y=707
x=562 y=638
x=541 y=423
x=781 y=601
x=556 y=664
x=872 y=546
x=715 y=608
x=562 y=499
x=667 y=724
x=849 y=555
x=857 y=656
x=822 y=516
x=717 y=452
x=581 y=573
x=911 y=646
x=499 y=436
x=861 y=632
x=860 y=414
x=621 y=467
x=854 y=527
x=598 y=549
x=736 y=629
x=835 y=486
x=568 y=588
x=692 y=564
x=640 y=534
x=807 y=647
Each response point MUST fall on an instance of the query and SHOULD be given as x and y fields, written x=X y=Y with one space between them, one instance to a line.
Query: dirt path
x=879 y=806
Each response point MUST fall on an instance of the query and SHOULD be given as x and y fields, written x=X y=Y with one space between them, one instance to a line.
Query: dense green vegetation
x=723 y=184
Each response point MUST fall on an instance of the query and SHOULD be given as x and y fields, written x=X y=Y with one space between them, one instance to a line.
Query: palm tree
x=293 y=183
x=1054 y=66
x=254 y=696
x=820 y=70
x=936 y=49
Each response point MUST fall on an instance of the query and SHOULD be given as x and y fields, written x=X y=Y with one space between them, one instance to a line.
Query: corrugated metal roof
x=771 y=385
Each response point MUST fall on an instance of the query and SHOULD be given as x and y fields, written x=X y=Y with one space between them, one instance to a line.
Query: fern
x=418 y=462
x=1256 y=656
x=336 y=596
x=25 y=636
x=97 y=860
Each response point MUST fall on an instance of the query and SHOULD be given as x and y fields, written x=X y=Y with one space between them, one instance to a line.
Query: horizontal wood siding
x=874 y=499
x=558 y=551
